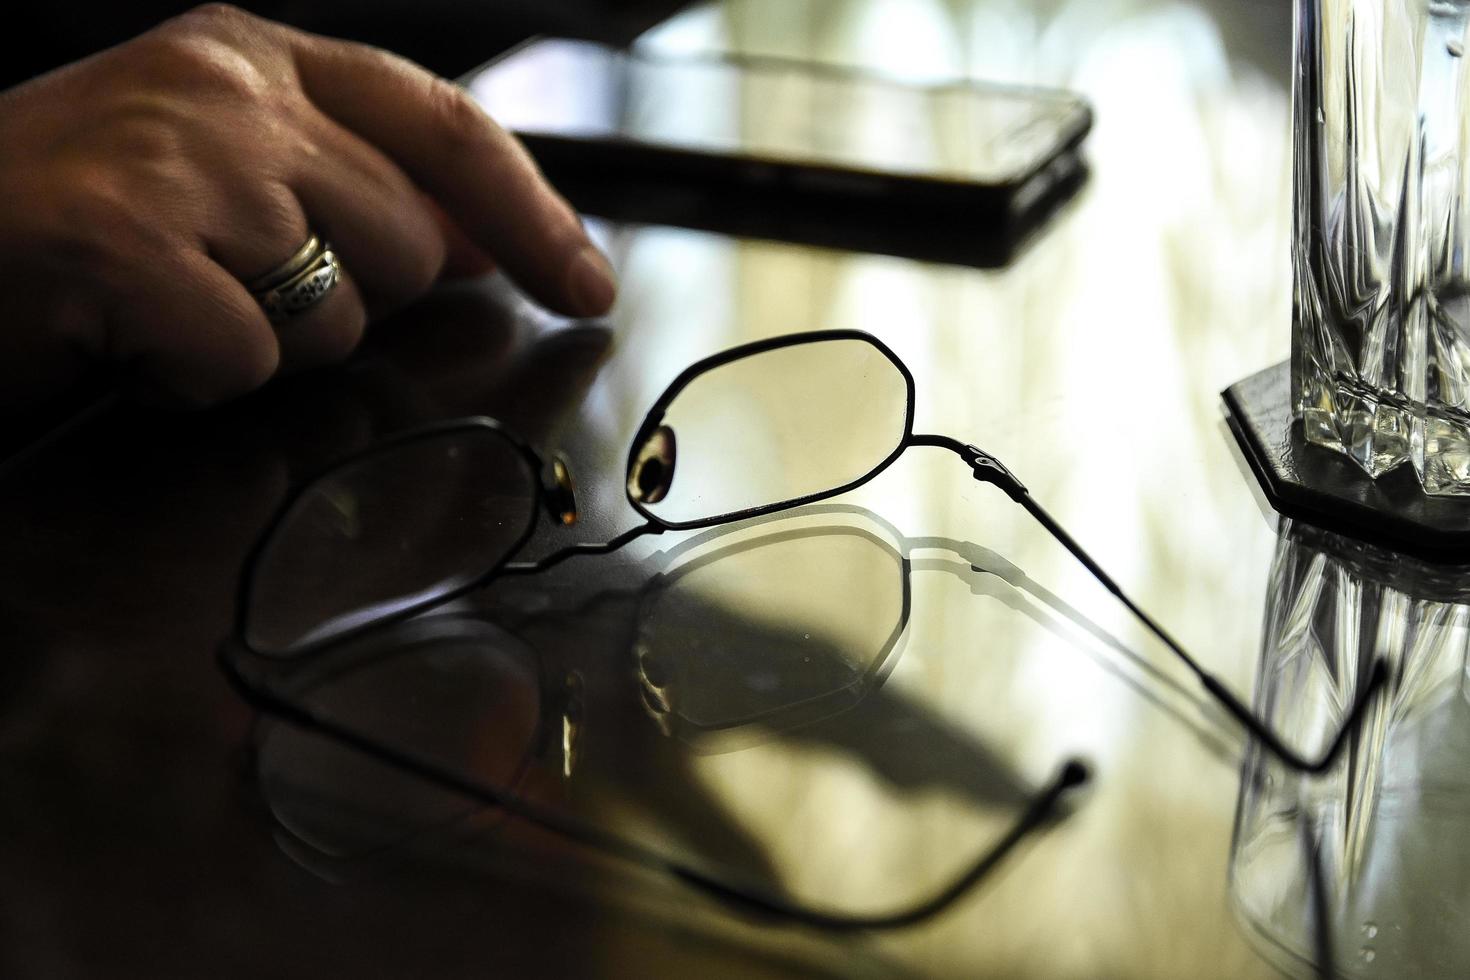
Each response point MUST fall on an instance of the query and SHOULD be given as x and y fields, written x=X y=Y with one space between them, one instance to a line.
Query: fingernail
x=591 y=283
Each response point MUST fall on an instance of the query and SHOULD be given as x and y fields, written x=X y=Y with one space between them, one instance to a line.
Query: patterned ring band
x=299 y=283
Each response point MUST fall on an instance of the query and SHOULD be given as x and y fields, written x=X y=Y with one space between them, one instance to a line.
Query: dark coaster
x=1329 y=490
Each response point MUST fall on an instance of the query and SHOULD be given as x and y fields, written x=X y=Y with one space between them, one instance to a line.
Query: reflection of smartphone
x=776 y=125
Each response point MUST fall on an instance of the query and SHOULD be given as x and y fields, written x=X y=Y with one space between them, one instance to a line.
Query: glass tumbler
x=1381 y=332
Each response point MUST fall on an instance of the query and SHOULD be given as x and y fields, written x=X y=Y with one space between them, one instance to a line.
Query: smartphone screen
x=782 y=114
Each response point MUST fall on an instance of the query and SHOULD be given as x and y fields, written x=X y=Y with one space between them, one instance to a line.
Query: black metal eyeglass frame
x=750 y=898
x=984 y=467
x=556 y=498
x=987 y=469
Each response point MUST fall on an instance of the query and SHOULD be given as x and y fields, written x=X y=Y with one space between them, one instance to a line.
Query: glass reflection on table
x=1391 y=817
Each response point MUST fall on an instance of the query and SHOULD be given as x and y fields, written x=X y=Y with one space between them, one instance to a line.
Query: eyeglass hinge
x=988 y=469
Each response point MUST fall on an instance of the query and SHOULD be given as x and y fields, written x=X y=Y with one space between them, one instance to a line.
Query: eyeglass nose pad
x=561 y=497
x=652 y=472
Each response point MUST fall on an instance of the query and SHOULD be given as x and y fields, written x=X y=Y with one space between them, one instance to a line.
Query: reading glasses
x=434 y=513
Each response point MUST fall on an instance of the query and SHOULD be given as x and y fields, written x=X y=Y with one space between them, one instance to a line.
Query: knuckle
x=205 y=390
x=276 y=208
x=341 y=336
x=272 y=214
x=257 y=366
x=218 y=17
x=423 y=267
x=459 y=118
x=253 y=364
x=414 y=252
x=191 y=378
x=204 y=53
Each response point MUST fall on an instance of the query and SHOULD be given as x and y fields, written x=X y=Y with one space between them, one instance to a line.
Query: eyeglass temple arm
x=1072 y=775
x=1321 y=910
x=987 y=469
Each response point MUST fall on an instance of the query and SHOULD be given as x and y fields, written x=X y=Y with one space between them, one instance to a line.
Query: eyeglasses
x=435 y=513
x=440 y=511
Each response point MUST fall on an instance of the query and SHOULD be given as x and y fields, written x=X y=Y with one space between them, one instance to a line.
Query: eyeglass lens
x=393 y=529
x=770 y=428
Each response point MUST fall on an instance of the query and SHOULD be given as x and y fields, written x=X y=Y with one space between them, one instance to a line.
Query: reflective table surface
x=901 y=668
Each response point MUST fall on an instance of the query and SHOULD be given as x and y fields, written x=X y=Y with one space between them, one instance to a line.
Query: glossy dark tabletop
x=146 y=826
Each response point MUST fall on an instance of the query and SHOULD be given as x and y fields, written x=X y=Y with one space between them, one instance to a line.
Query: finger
x=257 y=224
x=264 y=225
x=480 y=173
x=325 y=332
x=463 y=259
x=373 y=215
x=190 y=330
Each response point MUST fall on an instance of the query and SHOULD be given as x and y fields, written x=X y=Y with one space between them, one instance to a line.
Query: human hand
x=141 y=187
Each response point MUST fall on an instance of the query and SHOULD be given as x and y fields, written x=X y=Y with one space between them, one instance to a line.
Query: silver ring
x=299 y=283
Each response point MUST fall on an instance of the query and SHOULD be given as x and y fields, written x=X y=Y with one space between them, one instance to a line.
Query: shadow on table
x=695 y=712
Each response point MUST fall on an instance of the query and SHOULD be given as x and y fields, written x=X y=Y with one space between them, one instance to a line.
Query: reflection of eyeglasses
x=772 y=624
x=763 y=658
x=399 y=721
x=438 y=512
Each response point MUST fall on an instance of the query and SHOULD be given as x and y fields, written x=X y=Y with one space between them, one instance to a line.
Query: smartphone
x=981 y=153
